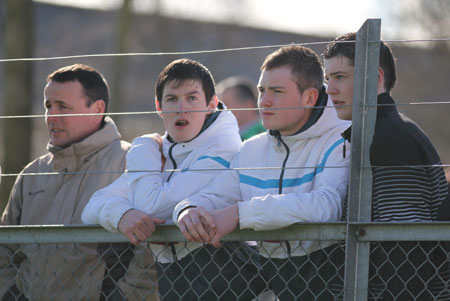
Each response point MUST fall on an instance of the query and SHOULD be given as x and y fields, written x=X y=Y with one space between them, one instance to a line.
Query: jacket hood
x=73 y=156
x=219 y=125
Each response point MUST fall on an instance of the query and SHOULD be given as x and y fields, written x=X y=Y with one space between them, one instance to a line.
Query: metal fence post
x=360 y=187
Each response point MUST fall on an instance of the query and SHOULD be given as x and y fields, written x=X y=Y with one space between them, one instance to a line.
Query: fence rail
x=118 y=270
x=365 y=232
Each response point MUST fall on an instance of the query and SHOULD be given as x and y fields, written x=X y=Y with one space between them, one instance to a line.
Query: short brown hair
x=345 y=46
x=304 y=63
x=94 y=84
x=182 y=70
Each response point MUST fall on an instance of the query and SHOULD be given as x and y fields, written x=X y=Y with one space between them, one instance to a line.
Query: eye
x=192 y=97
x=277 y=91
x=170 y=99
x=339 y=77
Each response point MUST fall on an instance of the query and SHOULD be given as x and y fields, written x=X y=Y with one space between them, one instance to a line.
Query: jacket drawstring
x=344 y=148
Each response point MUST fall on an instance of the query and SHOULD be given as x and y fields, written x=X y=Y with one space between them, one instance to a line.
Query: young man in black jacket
x=408 y=182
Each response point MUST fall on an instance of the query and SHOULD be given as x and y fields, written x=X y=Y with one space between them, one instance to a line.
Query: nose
x=49 y=114
x=182 y=107
x=331 y=88
x=264 y=100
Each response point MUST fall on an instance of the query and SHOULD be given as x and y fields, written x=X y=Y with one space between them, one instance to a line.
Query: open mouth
x=181 y=122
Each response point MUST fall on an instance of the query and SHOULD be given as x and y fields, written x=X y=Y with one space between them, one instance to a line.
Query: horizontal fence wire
x=218 y=110
x=205 y=51
x=204 y=169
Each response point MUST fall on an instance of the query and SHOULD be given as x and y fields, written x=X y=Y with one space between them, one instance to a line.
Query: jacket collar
x=220 y=125
x=74 y=156
x=208 y=121
x=347 y=134
x=315 y=115
x=386 y=104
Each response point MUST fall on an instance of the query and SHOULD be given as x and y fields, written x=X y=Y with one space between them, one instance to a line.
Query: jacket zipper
x=280 y=183
x=171 y=244
x=173 y=161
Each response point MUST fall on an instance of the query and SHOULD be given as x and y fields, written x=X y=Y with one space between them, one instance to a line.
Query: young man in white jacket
x=200 y=141
x=310 y=184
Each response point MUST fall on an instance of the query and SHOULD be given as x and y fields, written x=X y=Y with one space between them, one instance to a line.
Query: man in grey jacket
x=85 y=153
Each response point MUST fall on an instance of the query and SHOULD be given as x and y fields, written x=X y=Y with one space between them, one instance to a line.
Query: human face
x=69 y=98
x=278 y=90
x=339 y=74
x=184 y=100
x=230 y=98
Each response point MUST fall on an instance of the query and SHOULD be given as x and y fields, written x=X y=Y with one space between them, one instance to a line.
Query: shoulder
x=38 y=164
x=256 y=140
x=145 y=138
x=118 y=146
x=221 y=141
x=112 y=157
x=398 y=140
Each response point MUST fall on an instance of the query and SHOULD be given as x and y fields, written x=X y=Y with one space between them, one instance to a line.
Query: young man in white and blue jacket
x=200 y=141
x=295 y=172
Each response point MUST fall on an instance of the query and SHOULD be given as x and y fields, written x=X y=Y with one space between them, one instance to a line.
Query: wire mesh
x=121 y=271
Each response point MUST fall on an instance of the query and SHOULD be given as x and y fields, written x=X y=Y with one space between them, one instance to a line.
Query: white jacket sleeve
x=323 y=203
x=150 y=194
x=107 y=205
x=224 y=191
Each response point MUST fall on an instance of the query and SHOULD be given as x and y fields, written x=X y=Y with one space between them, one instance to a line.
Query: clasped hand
x=137 y=226
x=200 y=225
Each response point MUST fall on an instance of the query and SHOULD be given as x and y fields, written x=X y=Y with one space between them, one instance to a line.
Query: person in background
x=408 y=182
x=238 y=92
x=85 y=154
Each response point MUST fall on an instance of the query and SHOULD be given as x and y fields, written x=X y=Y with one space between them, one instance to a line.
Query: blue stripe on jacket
x=273 y=183
x=219 y=160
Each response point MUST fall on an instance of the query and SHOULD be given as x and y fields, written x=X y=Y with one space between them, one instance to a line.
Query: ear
x=212 y=106
x=381 y=88
x=311 y=96
x=158 y=108
x=98 y=107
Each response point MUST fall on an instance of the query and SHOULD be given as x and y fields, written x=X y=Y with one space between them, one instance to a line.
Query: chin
x=343 y=115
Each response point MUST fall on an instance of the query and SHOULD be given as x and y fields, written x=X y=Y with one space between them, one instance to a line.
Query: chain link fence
x=46 y=266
